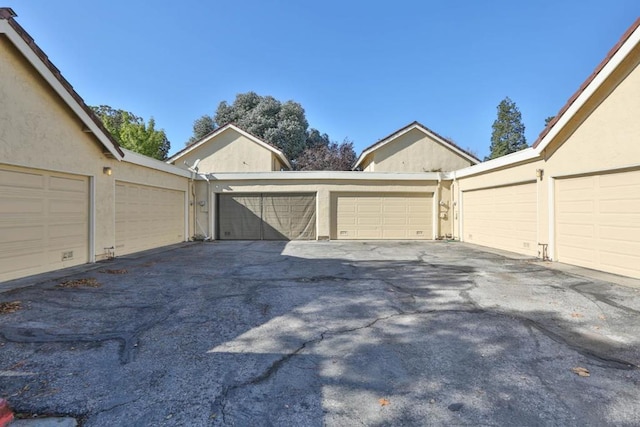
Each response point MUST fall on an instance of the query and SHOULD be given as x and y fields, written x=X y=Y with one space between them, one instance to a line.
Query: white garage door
x=502 y=218
x=44 y=221
x=598 y=222
x=383 y=216
x=147 y=217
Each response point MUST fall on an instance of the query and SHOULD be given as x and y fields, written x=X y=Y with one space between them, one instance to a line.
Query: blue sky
x=361 y=69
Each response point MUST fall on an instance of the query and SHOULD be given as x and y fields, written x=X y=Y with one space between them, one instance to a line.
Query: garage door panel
x=502 y=218
x=383 y=216
x=147 y=217
x=599 y=227
x=45 y=217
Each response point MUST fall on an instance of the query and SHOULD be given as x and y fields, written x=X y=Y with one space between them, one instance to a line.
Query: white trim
x=55 y=84
x=223 y=129
x=460 y=215
x=186 y=213
x=326 y=175
x=551 y=248
x=396 y=135
x=525 y=155
x=92 y=219
x=149 y=162
x=213 y=209
x=594 y=85
x=435 y=211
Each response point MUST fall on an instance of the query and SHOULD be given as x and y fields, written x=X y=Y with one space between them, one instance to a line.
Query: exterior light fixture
x=539 y=173
x=107 y=170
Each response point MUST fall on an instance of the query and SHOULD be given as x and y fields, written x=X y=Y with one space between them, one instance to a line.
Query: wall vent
x=67 y=255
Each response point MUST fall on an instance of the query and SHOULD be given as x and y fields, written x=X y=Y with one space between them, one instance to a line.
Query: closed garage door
x=265 y=216
x=44 y=221
x=502 y=218
x=383 y=216
x=598 y=222
x=147 y=217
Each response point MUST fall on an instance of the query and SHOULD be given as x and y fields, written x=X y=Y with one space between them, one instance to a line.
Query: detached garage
x=267 y=216
x=44 y=221
x=502 y=217
x=147 y=217
x=598 y=222
x=383 y=216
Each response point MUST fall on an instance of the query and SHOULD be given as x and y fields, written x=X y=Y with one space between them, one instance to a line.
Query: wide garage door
x=383 y=216
x=502 y=218
x=598 y=222
x=147 y=217
x=44 y=221
x=267 y=216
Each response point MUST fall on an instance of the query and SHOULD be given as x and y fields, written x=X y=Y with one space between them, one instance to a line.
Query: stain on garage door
x=147 y=217
x=383 y=216
x=267 y=216
x=44 y=221
x=598 y=222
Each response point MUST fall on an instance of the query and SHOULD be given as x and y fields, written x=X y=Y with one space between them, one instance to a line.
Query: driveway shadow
x=310 y=333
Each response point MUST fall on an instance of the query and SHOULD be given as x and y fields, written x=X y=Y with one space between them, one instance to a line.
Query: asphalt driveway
x=322 y=333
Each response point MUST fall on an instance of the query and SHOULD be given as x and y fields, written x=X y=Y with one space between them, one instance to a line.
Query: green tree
x=201 y=128
x=321 y=154
x=132 y=133
x=282 y=125
x=548 y=119
x=507 y=134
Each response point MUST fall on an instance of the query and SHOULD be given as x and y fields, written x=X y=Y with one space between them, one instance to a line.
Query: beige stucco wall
x=230 y=151
x=603 y=136
x=38 y=130
x=414 y=151
x=323 y=188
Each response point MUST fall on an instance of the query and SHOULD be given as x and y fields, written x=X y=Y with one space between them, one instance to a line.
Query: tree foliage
x=132 y=133
x=507 y=134
x=282 y=125
x=548 y=119
x=201 y=128
x=321 y=154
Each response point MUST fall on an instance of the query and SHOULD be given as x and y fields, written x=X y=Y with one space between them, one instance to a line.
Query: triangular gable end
x=39 y=60
x=411 y=126
x=173 y=159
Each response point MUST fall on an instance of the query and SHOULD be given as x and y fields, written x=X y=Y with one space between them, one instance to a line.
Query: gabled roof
x=615 y=56
x=220 y=130
x=32 y=52
x=629 y=40
x=415 y=125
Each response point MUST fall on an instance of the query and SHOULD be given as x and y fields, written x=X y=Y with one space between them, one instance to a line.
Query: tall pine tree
x=507 y=134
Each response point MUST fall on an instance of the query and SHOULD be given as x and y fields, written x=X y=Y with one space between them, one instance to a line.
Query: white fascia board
x=325 y=175
x=142 y=160
x=46 y=73
x=384 y=142
x=510 y=159
x=594 y=85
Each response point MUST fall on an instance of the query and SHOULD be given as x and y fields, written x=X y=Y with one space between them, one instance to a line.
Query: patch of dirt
x=10 y=307
x=80 y=283
x=108 y=271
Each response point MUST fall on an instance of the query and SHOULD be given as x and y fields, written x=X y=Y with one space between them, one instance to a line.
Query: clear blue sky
x=361 y=69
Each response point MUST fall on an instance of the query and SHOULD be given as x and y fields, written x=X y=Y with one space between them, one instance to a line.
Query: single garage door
x=44 y=221
x=383 y=216
x=267 y=216
x=598 y=222
x=502 y=218
x=147 y=217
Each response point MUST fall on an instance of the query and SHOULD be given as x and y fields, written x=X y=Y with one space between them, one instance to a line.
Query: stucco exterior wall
x=230 y=151
x=38 y=130
x=414 y=151
x=321 y=187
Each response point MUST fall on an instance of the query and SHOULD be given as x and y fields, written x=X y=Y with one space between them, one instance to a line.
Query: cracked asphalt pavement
x=322 y=333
